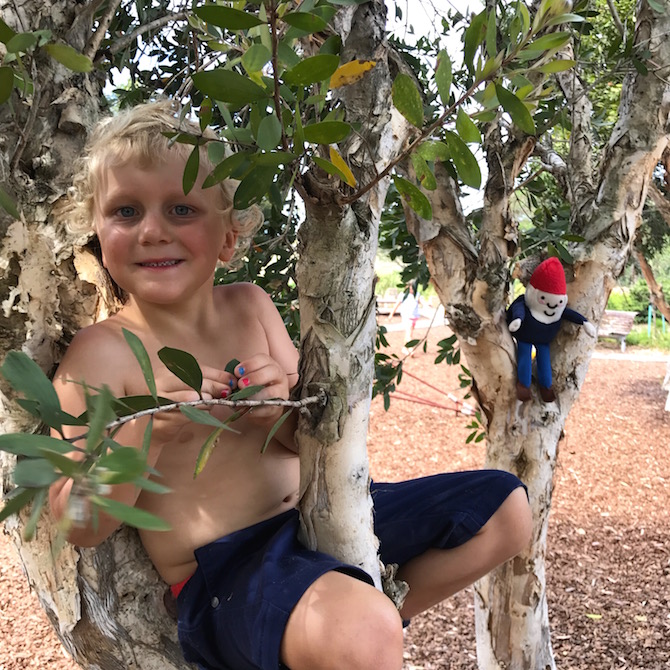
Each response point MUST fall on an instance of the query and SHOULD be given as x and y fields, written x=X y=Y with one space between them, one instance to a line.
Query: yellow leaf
x=350 y=72
x=337 y=160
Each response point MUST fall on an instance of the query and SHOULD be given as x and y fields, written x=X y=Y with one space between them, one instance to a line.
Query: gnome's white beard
x=549 y=311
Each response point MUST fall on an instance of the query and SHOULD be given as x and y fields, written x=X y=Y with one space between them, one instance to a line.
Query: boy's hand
x=262 y=370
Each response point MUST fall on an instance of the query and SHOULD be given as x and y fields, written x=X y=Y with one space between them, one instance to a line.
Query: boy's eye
x=126 y=212
x=182 y=210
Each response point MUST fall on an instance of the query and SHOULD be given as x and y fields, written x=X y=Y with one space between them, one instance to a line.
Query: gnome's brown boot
x=522 y=392
x=547 y=394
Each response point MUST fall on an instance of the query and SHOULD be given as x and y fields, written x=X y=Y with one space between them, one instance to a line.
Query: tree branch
x=656 y=294
x=103 y=24
x=299 y=404
x=121 y=44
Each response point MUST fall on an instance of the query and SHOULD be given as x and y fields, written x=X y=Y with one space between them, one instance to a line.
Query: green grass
x=638 y=337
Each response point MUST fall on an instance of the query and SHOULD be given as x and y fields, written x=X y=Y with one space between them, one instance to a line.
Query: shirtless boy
x=253 y=597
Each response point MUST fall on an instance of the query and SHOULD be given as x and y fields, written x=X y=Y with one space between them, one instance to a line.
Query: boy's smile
x=160 y=245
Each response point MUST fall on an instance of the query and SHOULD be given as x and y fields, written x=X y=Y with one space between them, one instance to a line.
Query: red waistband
x=177 y=588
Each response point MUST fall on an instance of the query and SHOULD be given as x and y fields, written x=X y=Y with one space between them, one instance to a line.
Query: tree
x=506 y=64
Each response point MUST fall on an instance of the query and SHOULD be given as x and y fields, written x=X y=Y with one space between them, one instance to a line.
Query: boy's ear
x=228 y=246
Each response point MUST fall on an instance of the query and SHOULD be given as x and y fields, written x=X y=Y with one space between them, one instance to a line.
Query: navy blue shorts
x=234 y=609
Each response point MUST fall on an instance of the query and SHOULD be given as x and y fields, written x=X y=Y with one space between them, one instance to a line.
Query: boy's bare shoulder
x=97 y=352
x=244 y=296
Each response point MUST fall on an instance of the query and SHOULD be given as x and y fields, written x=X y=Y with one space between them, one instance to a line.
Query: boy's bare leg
x=439 y=573
x=342 y=622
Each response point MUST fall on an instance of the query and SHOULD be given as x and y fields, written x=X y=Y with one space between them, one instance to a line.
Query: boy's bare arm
x=278 y=371
x=88 y=360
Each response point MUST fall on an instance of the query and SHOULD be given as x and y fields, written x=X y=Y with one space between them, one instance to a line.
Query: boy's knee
x=380 y=639
x=517 y=523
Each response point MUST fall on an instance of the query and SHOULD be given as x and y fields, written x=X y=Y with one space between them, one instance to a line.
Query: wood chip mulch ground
x=608 y=553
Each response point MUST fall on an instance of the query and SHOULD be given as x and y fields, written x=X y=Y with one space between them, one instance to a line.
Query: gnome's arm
x=575 y=317
x=516 y=314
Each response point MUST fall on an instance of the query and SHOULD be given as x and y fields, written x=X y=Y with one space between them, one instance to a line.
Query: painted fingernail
x=231 y=383
x=225 y=393
x=240 y=371
x=245 y=381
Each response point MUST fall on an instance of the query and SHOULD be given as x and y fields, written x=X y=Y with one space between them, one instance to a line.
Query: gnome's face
x=545 y=307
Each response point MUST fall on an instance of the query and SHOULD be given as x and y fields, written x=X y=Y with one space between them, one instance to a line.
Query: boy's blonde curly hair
x=137 y=135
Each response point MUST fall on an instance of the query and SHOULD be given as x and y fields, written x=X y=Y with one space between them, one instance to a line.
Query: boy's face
x=160 y=245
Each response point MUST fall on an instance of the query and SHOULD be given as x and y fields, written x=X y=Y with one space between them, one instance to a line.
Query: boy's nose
x=154 y=229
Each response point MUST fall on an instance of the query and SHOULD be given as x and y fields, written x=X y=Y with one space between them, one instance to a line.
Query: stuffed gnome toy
x=534 y=319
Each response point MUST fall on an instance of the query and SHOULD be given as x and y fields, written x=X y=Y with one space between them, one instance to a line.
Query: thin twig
x=276 y=402
x=157 y=23
x=103 y=24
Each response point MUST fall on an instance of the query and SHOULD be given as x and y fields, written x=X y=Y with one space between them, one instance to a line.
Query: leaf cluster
x=94 y=459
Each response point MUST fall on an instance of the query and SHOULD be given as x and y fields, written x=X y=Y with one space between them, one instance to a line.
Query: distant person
x=410 y=312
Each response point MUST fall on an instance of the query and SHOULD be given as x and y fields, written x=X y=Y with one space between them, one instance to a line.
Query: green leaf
x=227 y=17
x=443 y=77
x=328 y=167
x=226 y=168
x=191 y=170
x=255 y=57
x=228 y=86
x=557 y=66
x=407 y=99
x=146 y=438
x=22 y=42
x=7 y=203
x=254 y=186
x=310 y=23
x=35 y=513
x=63 y=464
x=200 y=416
x=567 y=18
x=6 y=33
x=131 y=404
x=245 y=392
x=491 y=47
x=516 y=109
x=273 y=158
x=71 y=58
x=183 y=365
x=231 y=365
x=312 y=70
x=466 y=128
x=124 y=464
x=474 y=35
x=6 y=84
x=547 y=42
x=464 y=160
x=143 y=359
x=432 y=150
x=413 y=197
x=34 y=473
x=423 y=172
x=275 y=428
x=101 y=414
x=206 y=451
x=269 y=132
x=24 y=444
x=151 y=486
x=16 y=501
x=326 y=132
x=26 y=377
x=131 y=516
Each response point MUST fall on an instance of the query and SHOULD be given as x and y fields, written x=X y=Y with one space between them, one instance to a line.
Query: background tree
x=272 y=65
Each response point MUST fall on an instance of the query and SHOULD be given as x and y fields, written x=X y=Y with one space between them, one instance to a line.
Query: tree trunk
x=338 y=245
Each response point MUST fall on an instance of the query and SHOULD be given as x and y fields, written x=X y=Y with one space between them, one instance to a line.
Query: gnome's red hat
x=549 y=277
